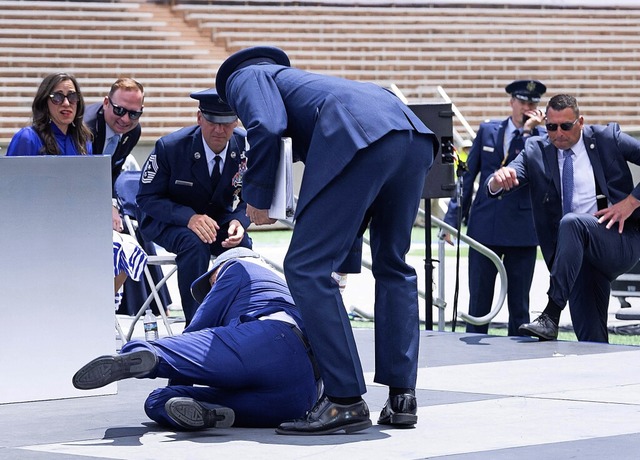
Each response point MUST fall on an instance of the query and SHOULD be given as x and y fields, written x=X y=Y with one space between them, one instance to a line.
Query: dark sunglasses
x=121 y=111
x=563 y=126
x=58 y=98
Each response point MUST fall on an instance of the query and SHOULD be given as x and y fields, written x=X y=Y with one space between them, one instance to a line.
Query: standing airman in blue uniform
x=189 y=197
x=514 y=240
x=366 y=156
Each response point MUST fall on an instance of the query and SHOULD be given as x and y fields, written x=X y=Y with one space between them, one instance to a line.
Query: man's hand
x=259 y=216
x=236 y=233
x=204 y=226
x=504 y=178
x=446 y=237
x=536 y=117
x=116 y=220
x=618 y=212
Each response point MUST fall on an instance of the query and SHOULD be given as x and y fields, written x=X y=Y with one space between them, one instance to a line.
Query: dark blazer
x=94 y=120
x=175 y=183
x=326 y=119
x=609 y=150
x=485 y=223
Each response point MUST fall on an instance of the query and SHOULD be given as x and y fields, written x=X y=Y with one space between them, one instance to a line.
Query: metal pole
x=428 y=269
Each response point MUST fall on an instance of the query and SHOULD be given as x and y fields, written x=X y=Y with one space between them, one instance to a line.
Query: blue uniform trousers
x=588 y=258
x=382 y=182
x=260 y=369
x=519 y=263
x=192 y=258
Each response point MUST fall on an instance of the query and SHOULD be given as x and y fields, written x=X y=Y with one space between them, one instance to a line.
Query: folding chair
x=126 y=188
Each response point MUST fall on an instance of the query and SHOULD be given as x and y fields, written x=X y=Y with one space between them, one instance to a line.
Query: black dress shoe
x=542 y=327
x=110 y=368
x=328 y=417
x=195 y=415
x=399 y=410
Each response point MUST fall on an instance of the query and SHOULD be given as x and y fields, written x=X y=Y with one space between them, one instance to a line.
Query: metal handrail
x=495 y=309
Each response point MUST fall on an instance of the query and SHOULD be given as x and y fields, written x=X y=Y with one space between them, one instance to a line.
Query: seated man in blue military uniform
x=245 y=349
x=189 y=195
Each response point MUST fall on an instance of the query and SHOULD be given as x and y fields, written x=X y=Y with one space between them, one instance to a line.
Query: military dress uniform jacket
x=175 y=183
x=318 y=113
x=504 y=222
x=94 y=120
x=609 y=150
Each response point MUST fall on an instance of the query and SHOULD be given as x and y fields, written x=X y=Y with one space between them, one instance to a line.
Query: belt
x=307 y=347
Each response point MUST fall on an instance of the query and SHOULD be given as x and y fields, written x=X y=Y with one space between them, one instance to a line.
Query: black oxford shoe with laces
x=542 y=327
x=399 y=410
x=328 y=417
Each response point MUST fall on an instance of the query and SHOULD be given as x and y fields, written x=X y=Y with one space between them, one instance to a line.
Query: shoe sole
x=351 y=428
x=401 y=420
x=111 y=368
x=193 y=415
x=531 y=333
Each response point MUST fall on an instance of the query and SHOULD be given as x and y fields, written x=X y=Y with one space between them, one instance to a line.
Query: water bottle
x=150 y=326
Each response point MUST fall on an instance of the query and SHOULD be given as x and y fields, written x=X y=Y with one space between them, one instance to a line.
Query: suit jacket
x=485 y=223
x=175 y=183
x=609 y=150
x=94 y=120
x=328 y=119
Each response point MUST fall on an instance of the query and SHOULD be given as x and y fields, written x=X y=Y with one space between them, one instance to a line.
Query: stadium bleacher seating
x=472 y=51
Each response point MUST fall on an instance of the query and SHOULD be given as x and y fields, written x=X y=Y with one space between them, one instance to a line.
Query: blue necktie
x=111 y=145
x=567 y=181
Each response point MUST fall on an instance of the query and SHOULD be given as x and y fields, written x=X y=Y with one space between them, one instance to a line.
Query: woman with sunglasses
x=57 y=127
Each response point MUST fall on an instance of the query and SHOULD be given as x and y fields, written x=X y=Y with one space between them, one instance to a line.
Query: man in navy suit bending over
x=585 y=209
x=366 y=155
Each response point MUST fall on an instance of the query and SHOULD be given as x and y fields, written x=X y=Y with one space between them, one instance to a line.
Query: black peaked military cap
x=213 y=108
x=526 y=90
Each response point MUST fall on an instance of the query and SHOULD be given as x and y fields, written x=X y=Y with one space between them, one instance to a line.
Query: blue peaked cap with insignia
x=526 y=90
x=214 y=109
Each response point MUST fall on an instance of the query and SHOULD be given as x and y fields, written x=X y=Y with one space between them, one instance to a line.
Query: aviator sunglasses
x=58 y=98
x=120 y=111
x=563 y=126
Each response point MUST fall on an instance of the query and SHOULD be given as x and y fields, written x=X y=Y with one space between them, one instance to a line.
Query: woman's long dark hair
x=42 y=118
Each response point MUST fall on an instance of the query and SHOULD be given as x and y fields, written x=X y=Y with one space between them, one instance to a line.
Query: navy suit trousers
x=260 y=369
x=192 y=258
x=382 y=183
x=588 y=258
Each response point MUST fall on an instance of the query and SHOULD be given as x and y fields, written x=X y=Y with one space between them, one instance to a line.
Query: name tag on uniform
x=184 y=182
x=487 y=148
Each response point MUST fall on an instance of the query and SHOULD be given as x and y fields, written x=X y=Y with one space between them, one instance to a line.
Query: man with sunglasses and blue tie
x=585 y=210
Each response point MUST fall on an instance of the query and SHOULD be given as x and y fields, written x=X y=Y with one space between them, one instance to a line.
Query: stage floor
x=480 y=397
